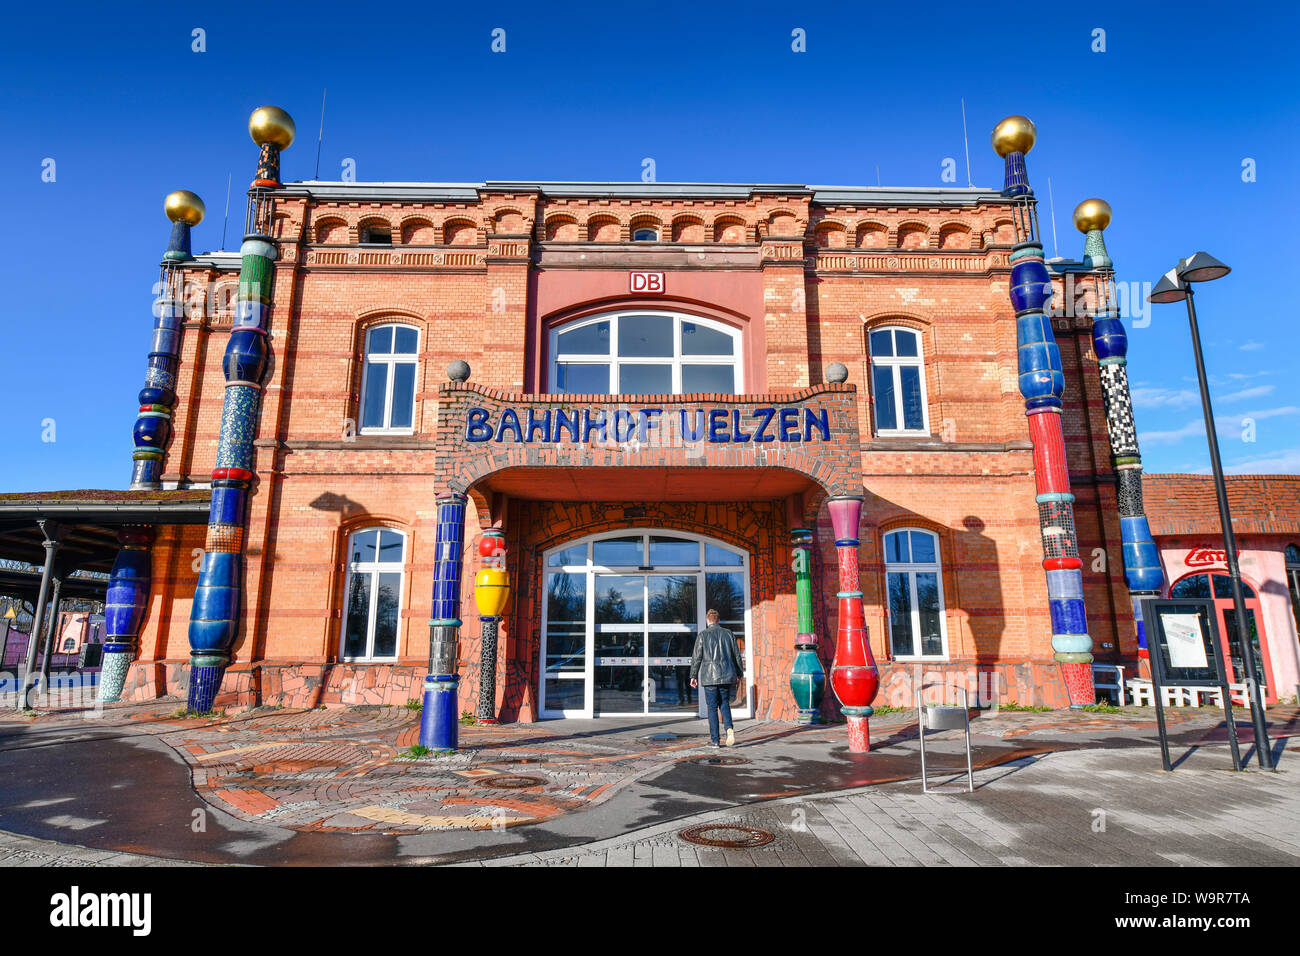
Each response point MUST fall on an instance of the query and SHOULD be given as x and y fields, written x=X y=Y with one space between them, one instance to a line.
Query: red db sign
x=647 y=283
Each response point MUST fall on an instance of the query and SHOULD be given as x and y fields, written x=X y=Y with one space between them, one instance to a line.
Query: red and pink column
x=854 y=677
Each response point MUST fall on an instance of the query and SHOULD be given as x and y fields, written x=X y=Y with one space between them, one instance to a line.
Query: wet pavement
x=297 y=787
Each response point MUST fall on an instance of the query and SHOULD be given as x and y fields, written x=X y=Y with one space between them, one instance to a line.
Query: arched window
x=914 y=585
x=645 y=234
x=388 y=383
x=898 y=382
x=645 y=353
x=373 y=595
x=1198 y=586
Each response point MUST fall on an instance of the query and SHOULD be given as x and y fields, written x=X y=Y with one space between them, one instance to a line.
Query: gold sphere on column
x=1015 y=134
x=1092 y=214
x=183 y=206
x=270 y=124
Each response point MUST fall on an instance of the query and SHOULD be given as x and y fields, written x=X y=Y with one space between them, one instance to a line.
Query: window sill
x=386 y=433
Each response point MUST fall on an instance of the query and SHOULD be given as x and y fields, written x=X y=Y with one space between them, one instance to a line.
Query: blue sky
x=1159 y=125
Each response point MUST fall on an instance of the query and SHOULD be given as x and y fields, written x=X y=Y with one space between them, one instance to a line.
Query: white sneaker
x=731 y=737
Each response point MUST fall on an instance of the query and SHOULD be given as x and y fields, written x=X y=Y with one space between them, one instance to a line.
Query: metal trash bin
x=938 y=718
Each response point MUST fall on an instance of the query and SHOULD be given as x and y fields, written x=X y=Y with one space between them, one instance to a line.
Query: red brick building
x=701 y=308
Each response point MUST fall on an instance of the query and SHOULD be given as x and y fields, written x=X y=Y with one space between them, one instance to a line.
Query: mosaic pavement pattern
x=342 y=769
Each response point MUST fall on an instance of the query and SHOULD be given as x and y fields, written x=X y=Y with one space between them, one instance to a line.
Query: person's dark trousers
x=717 y=696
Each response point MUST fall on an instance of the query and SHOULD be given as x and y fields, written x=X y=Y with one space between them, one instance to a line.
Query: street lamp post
x=1176 y=284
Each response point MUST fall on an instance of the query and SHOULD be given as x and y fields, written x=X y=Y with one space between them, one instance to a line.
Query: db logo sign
x=651 y=283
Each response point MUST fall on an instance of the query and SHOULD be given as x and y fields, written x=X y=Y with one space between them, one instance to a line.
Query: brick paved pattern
x=1039 y=811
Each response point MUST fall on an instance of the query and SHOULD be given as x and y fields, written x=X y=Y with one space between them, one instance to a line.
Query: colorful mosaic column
x=128 y=588
x=214 y=618
x=1042 y=383
x=438 y=719
x=491 y=592
x=807 y=679
x=124 y=603
x=854 y=677
x=1142 y=570
x=153 y=427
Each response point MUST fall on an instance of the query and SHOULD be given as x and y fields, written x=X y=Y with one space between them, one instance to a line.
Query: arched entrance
x=620 y=616
x=1217 y=587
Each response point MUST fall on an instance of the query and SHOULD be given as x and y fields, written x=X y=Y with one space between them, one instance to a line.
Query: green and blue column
x=807 y=678
x=214 y=617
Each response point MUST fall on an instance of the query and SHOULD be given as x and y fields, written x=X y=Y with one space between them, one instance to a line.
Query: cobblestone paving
x=341 y=769
x=1084 y=807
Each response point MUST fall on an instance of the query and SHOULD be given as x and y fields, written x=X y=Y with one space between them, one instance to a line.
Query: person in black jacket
x=717 y=666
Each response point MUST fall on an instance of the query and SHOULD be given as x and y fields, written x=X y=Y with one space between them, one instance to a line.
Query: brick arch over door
x=831 y=461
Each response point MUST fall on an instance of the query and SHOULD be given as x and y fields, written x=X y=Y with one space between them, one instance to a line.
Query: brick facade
x=484 y=273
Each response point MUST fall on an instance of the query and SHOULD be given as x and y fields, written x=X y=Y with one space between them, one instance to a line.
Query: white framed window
x=373 y=595
x=645 y=234
x=388 y=382
x=898 y=382
x=914 y=594
x=645 y=353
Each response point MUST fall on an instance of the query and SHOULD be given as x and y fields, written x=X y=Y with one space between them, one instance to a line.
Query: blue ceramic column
x=214 y=617
x=124 y=603
x=1042 y=384
x=128 y=589
x=439 y=721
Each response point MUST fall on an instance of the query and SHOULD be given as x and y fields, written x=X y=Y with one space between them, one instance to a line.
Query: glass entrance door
x=622 y=613
x=644 y=632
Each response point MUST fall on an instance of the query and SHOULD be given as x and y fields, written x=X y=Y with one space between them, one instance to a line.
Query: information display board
x=1183 y=641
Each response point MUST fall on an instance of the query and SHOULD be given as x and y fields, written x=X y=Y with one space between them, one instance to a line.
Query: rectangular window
x=372 y=403
x=354 y=641
x=720 y=379
x=913 y=415
x=882 y=392
x=900 y=615
x=645 y=379
x=403 y=395
x=575 y=378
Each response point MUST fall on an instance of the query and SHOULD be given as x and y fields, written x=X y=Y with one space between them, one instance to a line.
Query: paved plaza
x=273 y=786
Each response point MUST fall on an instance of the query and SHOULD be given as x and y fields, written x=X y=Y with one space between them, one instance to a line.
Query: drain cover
x=727 y=835
x=718 y=761
x=511 y=781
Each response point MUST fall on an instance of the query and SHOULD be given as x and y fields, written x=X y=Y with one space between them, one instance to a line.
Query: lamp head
x=1201 y=267
x=1170 y=288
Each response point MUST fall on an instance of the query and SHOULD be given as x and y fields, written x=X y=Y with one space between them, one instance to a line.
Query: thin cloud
x=1258 y=391
x=1222 y=424
x=1251 y=346
x=1155 y=397
x=1285 y=461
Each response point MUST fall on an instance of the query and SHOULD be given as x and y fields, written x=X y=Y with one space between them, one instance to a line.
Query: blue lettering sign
x=477 y=427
